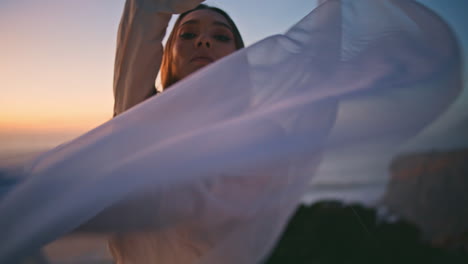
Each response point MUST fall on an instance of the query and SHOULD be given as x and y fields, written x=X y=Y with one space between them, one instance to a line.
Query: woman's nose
x=203 y=41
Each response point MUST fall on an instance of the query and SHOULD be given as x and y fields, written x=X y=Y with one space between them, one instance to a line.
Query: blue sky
x=57 y=58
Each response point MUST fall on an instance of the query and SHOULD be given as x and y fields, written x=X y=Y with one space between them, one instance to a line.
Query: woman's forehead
x=204 y=16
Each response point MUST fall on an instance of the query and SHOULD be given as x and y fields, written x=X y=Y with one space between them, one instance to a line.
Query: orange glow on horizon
x=51 y=123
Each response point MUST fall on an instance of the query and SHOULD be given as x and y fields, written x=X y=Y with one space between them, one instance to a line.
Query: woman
x=200 y=36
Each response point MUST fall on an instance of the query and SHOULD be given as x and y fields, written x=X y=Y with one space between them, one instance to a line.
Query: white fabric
x=224 y=156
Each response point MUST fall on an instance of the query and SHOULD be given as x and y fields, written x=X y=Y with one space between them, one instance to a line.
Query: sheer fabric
x=225 y=155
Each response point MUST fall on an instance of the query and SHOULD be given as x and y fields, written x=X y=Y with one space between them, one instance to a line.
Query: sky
x=57 y=60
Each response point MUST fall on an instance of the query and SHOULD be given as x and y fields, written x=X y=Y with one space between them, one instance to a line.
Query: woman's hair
x=167 y=76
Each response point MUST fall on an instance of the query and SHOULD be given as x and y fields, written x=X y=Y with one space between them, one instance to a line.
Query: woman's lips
x=201 y=59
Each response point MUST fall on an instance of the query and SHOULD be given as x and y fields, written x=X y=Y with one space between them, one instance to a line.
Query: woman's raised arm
x=139 y=48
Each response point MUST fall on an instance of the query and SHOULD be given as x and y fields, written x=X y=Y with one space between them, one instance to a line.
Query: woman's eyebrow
x=192 y=21
x=217 y=23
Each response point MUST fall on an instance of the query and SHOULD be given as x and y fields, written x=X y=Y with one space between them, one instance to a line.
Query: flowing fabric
x=225 y=155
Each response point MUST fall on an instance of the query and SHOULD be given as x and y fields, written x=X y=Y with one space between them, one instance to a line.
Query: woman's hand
x=168 y=6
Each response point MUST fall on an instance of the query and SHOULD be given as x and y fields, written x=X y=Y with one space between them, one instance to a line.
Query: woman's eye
x=222 y=38
x=187 y=35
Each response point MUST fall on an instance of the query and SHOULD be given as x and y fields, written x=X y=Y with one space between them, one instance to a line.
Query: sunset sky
x=57 y=60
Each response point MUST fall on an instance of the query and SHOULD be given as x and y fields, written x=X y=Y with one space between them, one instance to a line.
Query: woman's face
x=202 y=37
